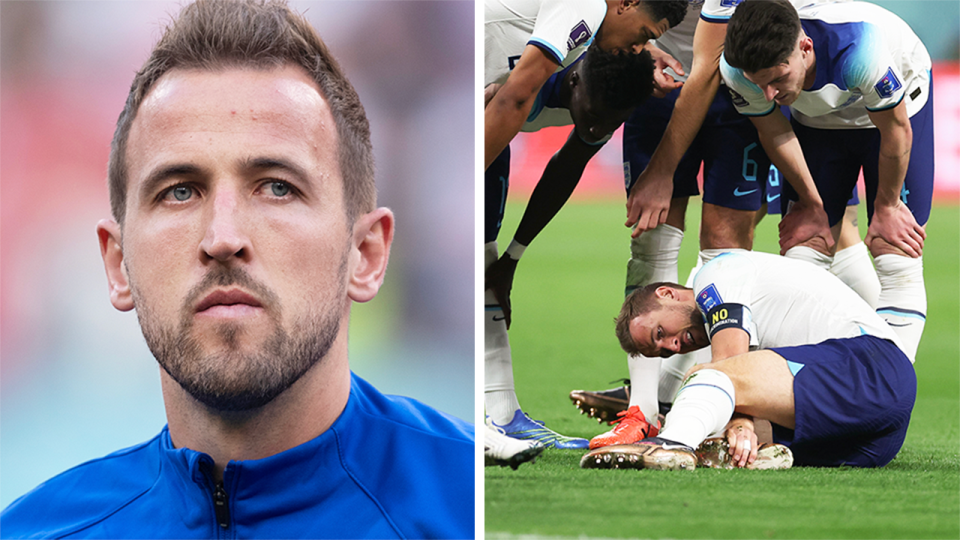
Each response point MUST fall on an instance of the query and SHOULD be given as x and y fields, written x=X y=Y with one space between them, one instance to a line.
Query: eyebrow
x=164 y=173
x=263 y=163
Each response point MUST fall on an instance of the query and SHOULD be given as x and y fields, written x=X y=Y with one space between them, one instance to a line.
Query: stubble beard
x=232 y=380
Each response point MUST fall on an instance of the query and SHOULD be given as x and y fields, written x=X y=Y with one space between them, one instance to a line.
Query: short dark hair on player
x=639 y=302
x=261 y=34
x=618 y=81
x=671 y=10
x=761 y=34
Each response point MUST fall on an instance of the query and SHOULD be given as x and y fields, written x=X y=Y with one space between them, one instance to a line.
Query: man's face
x=591 y=117
x=675 y=327
x=630 y=31
x=784 y=82
x=235 y=240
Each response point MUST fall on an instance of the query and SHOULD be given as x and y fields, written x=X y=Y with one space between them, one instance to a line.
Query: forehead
x=641 y=328
x=765 y=76
x=241 y=110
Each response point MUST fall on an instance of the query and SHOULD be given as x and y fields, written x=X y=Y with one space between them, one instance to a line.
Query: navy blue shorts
x=853 y=398
x=835 y=157
x=775 y=179
x=496 y=182
x=734 y=164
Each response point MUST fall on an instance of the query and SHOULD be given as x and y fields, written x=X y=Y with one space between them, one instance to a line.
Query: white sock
x=853 y=266
x=653 y=258
x=810 y=255
x=703 y=406
x=499 y=395
x=644 y=378
x=903 y=298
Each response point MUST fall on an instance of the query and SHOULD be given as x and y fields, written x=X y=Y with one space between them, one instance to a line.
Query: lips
x=232 y=297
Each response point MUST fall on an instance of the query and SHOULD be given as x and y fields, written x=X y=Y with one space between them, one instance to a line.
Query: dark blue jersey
x=388 y=467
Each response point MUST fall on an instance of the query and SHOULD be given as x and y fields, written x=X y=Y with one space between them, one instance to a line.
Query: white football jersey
x=561 y=28
x=867 y=59
x=786 y=302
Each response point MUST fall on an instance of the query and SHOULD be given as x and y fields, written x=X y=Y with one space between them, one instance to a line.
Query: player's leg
x=759 y=383
x=832 y=156
x=653 y=256
x=903 y=301
x=852 y=262
x=500 y=396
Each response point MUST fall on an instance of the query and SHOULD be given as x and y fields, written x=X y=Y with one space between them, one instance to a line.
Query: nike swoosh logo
x=771 y=199
x=674 y=447
x=898 y=325
x=501 y=318
x=738 y=193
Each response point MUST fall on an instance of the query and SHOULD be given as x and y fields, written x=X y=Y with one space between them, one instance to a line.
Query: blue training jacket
x=388 y=467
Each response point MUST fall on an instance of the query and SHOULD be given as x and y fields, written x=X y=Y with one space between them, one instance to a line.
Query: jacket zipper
x=221 y=505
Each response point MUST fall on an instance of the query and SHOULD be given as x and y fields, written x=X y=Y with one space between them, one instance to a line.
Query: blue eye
x=280 y=189
x=182 y=193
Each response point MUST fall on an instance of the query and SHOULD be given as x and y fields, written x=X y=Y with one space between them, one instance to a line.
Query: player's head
x=261 y=34
x=243 y=164
x=661 y=319
x=604 y=90
x=629 y=24
x=764 y=39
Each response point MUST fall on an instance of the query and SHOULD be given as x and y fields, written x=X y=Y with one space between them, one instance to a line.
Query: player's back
x=791 y=302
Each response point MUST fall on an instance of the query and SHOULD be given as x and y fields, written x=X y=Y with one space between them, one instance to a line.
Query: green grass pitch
x=568 y=289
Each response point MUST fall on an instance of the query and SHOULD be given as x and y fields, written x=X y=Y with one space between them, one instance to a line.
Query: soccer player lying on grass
x=596 y=94
x=790 y=344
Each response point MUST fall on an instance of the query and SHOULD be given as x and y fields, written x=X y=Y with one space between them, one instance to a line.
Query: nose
x=223 y=238
x=674 y=345
x=769 y=92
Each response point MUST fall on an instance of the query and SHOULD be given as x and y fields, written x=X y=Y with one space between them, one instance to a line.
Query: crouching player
x=790 y=344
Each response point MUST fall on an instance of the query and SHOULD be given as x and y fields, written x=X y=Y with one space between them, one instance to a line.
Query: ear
x=666 y=291
x=625 y=5
x=108 y=231
x=806 y=44
x=574 y=78
x=372 y=237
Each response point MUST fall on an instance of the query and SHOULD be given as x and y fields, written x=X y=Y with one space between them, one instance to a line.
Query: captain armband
x=728 y=316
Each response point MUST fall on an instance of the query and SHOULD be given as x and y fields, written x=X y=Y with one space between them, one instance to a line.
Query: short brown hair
x=262 y=34
x=639 y=302
x=761 y=34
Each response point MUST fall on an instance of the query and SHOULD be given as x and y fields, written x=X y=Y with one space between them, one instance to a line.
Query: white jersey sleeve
x=724 y=293
x=747 y=97
x=561 y=28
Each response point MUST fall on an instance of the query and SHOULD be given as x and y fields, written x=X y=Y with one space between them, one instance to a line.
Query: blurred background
x=76 y=378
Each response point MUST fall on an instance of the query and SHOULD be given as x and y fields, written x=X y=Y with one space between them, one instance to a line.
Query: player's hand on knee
x=742 y=440
x=893 y=229
x=499 y=279
x=806 y=224
x=649 y=202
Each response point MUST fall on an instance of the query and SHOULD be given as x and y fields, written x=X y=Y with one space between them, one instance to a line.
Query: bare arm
x=649 y=199
x=729 y=342
x=893 y=228
x=806 y=223
x=506 y=112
